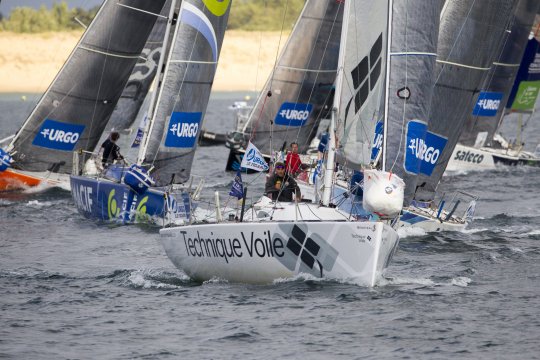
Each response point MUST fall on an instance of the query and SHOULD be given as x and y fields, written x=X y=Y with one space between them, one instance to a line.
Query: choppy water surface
x=74 y=289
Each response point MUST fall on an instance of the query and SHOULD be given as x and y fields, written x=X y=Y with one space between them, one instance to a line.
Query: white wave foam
x=215 y=280
x=534 y=232
x=138 y=279
x=462 y=281
x=515 y=249
x=38 y=204
x=43 y=186
x=473 y=231
x=405 y=281
x=407 y=231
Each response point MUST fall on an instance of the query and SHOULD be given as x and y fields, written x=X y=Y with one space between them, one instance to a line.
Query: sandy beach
x=29 y=62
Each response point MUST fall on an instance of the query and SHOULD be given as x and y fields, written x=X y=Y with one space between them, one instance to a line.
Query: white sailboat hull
x=468 y=158
x=262 y=252
x=427 y=220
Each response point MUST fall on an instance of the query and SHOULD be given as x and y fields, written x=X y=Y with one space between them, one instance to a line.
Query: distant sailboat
x=193 y=40
x=512 y=83
x=275 y=239
x=70 y=116
x=299 y=91
x=468 y=43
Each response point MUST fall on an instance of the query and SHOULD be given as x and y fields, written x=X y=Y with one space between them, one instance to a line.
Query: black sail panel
x=75 y=109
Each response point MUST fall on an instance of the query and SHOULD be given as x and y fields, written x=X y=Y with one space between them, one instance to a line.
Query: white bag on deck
x=383 y=192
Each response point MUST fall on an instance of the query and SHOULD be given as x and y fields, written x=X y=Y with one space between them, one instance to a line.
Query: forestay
x=302 y=81
x=185 y=90
x=488 y=111
x=74 y=110
x=469 y=38
x=137 y=87
x=359 y=97
x=415 y=29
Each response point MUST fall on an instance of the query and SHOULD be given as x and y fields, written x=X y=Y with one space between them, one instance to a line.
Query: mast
x=329 y=171
x=387 y=83
x=149 y=124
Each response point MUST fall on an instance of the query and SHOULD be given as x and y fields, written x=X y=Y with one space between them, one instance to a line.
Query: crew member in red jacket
x=294 y=164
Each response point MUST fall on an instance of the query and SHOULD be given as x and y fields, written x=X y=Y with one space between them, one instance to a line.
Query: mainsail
x=185 y=88
x=74 y=110
x=415 y=29
x=359 y=95
x=489 y=109
x=302 y=81
x=469 y=38
x=127 y=109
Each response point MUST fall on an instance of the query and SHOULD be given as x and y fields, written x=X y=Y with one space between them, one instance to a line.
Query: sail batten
x=66 y=119
x=302 y=81
x=184 y=92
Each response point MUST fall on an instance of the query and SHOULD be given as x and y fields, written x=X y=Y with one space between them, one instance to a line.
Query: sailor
x=281 y=185
x=294 y=164
x=110 y=150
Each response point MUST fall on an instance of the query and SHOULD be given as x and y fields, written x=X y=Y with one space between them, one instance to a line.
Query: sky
x=7 y=5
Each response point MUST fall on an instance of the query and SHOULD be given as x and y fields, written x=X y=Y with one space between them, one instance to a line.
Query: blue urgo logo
x=293 y=114
x=58 y=135
x=488 y=103
x=423 y=148
x=183 y=129
x=377 y=140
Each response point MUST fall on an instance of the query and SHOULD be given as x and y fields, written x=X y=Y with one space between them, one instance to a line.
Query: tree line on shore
x=249 y=15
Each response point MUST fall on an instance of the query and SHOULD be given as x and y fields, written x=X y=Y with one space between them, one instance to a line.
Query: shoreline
x=29 y=62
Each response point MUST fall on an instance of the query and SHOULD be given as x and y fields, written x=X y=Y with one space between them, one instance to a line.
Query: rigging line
x=111 y=54
x=272 y=80
x=454 y=44
x=491 y=74
x=99 y=89
x=141 y=10
x=406 y=83
x=318 y=71
x=304 y=79
x=255 y=88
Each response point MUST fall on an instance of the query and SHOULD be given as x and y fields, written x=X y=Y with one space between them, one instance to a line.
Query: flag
x=237 y=188
x=253 y=159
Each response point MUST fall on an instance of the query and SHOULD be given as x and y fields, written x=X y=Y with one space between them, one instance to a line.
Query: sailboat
x=515 y=84
x=273 y=240
x=469 y=41
x=153 y=190
x=72 y=112
x=299 y=91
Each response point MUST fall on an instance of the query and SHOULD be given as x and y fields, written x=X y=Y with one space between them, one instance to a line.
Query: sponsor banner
x=253 y=159
x=526 y=96
x=435 y=145
x=468 y=156
x=103 y=200
x=377 y=141
x=416 y=134
x=293 y=114
x=423 y=148
x=58 y=135
x=183 y=129
x=488 y=103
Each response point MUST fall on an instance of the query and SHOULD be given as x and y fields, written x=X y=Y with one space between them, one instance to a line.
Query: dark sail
x=415 y=29
x=489 y=109
x=302 y=82
x=127 y=109
x=185 y=90
x=469 y=39
x=75 y=108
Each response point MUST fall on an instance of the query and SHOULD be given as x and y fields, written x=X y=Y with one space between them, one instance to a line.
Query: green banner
x=526 y=96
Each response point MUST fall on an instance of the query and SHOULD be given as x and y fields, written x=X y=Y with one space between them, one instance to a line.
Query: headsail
x=185 y=89
x=359 y=97
x=76 y=107
x=487 y=114
x=302 y=80
x=469 y=38
x=138 y=85
x=415 y=29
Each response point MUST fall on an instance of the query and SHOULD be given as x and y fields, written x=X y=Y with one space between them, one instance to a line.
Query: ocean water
x=73 y=289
